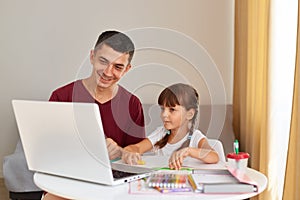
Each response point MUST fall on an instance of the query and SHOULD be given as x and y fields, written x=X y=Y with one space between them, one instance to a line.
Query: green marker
x=236 y=146
x=167 y=168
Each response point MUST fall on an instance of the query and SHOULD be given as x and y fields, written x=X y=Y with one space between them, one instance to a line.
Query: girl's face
x=175 y=117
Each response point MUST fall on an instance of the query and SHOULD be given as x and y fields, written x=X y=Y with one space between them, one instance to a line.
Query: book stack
x=169 y=182
x=220 y=181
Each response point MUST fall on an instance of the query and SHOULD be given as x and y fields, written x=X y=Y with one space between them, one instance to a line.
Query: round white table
x=76 y=189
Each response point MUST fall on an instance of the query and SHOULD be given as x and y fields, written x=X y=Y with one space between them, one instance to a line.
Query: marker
x=115 y=160
x=167 y=168
x=236 y=146
x=141 y=162
x=168 y=190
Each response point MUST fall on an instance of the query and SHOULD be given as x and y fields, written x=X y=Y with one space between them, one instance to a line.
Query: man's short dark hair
x=116 y=40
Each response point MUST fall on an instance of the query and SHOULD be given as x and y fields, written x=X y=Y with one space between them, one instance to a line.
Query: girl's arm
x=141 y=147
x=204 y=152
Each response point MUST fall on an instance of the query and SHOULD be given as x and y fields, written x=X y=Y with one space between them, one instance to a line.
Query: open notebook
x=67 y=139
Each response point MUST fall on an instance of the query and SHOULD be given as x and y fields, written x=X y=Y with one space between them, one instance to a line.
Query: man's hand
x=114 y=150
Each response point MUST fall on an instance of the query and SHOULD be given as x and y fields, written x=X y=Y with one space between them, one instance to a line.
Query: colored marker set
x=167 y=180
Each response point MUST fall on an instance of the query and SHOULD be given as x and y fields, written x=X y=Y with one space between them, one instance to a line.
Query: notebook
x=219 y=181
x=67 y=139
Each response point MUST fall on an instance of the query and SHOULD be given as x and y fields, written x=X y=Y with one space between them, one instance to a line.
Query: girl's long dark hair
x=179 y=94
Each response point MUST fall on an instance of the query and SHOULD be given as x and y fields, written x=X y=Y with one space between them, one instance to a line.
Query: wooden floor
x=3 y=190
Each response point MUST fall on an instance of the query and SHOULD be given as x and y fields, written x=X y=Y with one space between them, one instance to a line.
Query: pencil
x=168 y=190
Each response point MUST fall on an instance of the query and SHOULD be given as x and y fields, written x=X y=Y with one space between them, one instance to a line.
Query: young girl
x=178 y=136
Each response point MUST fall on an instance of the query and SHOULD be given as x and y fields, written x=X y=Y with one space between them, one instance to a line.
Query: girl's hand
x=130 y=158
x=176 y=159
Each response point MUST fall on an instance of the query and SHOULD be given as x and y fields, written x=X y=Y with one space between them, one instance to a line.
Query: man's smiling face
x=108 y=66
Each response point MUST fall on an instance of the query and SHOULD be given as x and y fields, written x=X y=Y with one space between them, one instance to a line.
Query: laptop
x=67 y=139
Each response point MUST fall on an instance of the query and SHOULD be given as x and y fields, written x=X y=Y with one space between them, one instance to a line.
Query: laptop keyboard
x=121 y=174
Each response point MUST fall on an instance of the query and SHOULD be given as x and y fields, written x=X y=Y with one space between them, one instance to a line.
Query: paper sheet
x=163 y=161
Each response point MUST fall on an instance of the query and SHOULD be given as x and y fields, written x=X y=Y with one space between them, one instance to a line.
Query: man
x=121 y=112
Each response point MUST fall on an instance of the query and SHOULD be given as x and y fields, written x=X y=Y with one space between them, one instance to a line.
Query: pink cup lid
x=240 y=155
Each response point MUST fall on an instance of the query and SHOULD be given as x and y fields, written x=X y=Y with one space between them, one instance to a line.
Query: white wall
x=43 y=44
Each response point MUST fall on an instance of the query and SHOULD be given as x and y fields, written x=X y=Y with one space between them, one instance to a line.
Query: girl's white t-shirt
x=168 y=149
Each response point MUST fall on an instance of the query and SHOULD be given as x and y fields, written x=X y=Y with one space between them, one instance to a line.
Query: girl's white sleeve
x=196 y=137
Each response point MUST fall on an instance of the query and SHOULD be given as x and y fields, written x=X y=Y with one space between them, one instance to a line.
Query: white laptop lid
x=65 y=139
